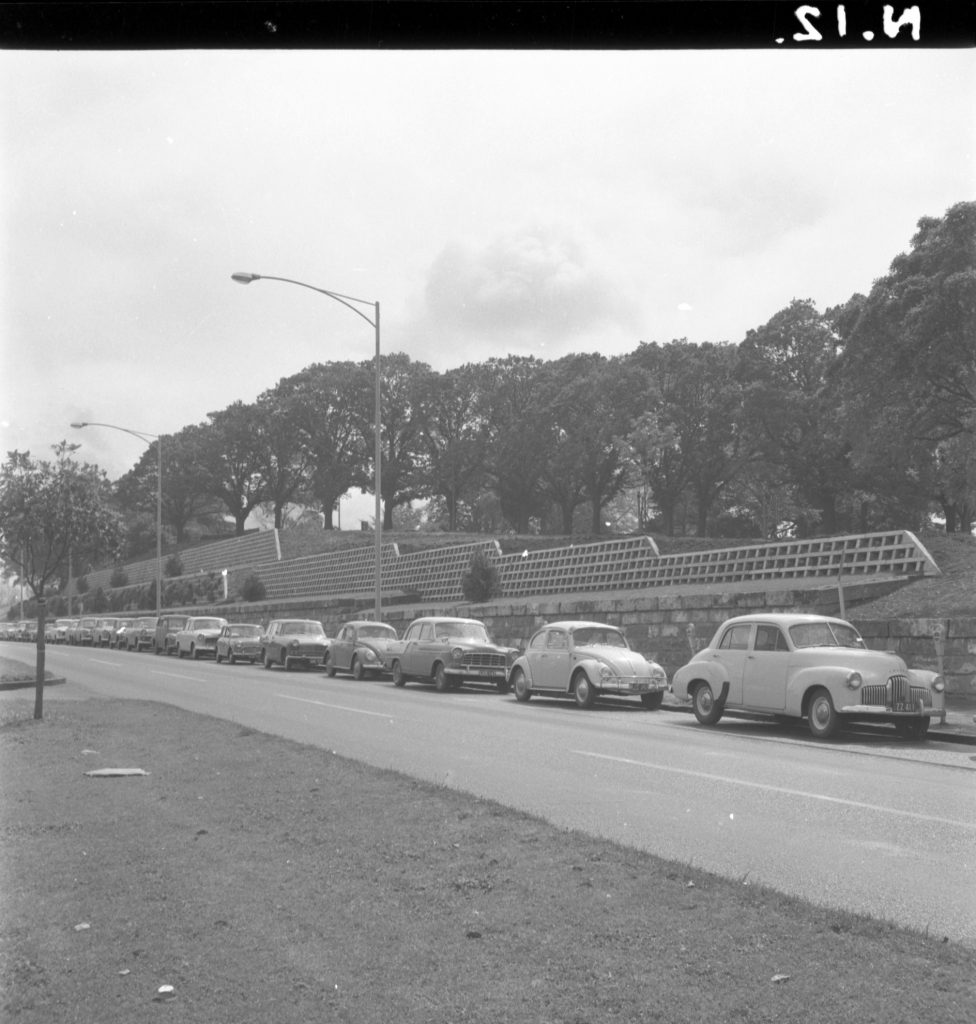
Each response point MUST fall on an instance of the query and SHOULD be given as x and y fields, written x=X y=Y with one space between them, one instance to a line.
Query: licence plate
x=901 y=705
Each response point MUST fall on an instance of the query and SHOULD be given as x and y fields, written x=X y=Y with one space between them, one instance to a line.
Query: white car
x=807 y=666
x=198 y=638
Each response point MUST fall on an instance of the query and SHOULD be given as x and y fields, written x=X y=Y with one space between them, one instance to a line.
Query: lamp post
x=148 y=439
x=352 y=303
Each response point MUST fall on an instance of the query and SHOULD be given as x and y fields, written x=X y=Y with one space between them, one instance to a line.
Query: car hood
x=621 y=660
x=474 y=646
x=378 y=644
x=882 y=662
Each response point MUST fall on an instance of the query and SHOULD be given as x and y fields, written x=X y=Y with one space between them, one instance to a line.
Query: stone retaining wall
x=669 y=626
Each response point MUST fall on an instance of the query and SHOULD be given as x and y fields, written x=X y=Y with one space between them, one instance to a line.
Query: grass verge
x=269 y=881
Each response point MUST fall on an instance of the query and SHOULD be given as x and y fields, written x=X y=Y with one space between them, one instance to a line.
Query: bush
x=99 y=602
x=481 y=582
x=174 y=566
x=253 y=589
x=81 y=585
x=120 y=578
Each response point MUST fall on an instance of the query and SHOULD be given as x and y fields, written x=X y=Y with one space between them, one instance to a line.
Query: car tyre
x=265 y=659
x=358 y=672
x=707 y=709
x=584 y=691
x=194 y=653
x=523 y=692
x=231 y=658
x=329 y=667
x=442 y=682
x=399 y=679
x=913 y=728
x=653 y=701
x=822 y=717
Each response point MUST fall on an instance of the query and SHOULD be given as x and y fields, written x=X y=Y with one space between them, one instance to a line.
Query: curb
x=30 y=684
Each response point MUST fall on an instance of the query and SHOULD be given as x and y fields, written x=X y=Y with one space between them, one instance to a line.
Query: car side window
x=769 y=638
x=426 y=632
x=539 y=640
x=558 y=641
x=736 y=638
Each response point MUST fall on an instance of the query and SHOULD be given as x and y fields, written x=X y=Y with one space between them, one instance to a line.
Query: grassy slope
x=267 y=881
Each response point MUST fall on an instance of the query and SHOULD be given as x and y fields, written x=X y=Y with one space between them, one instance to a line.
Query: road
x=869 y=824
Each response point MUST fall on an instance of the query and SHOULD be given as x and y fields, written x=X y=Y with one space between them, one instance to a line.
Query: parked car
x=449 y=652
x=807 y=666
x=119 y=639
x=167 y=626
x=140 y=633
x=198 y=637
x=360 y=648
x=26 y=630
x=585 y=660
x=104 y=631
x=238 y=641
x=291 y=642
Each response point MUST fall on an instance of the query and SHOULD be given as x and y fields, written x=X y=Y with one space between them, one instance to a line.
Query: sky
x=493 y=202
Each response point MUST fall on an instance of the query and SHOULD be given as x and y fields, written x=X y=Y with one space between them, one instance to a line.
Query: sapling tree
x=48 y=510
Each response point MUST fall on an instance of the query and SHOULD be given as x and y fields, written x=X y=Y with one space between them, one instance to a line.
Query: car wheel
x=442 y=681
x=217 y=658
x=584 y=691
x=521 y=686
x=194 y=653
x=913 y=728
x=231 y=658
x=652 y=701
x=821 y=716
x=285 y=662
x=399 y=679
x=179 y=652
x=707 y=709
x=358 y=672
x=265 y=659
x=329 y=667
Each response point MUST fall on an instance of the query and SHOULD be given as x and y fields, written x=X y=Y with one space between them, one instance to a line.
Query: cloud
x=534 y=285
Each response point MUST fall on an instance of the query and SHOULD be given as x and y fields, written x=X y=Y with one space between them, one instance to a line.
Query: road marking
x=98 y=661
x=776 y=789
x=337 y=707
x=177 y=675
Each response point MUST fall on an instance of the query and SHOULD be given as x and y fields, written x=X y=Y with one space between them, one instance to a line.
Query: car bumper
x=876 y=711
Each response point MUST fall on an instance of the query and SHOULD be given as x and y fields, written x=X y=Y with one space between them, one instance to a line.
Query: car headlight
x=456 y=655
x=606 y=673
x=369 y=655
x=853 y=680
x=293 y=643
x=200 y=636
x=938 y=684
x=658 y=675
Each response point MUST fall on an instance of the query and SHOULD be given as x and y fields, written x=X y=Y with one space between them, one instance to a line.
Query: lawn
x=266 y=881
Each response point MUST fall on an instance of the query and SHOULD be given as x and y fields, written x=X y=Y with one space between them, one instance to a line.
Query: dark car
x=360 y=648
x=141 y=633
x=291 y=642
x=238 y=641
x=167 y=626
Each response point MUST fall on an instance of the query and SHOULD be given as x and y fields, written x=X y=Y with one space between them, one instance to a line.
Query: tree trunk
x=41 y=656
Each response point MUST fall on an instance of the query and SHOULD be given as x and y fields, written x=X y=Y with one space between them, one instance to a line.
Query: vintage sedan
x=61 y=627
x=238 y=641
x=198 y=637
x=807 y=666
x=293 y=642
x=140 y=633
x=360 y=648
x=449 y=652
x=104 y=631
x=167 y=626
x=118 y=638
x=586 y=660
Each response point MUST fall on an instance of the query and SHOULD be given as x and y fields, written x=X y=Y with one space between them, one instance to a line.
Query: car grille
x=897 y=693
x=484 y=660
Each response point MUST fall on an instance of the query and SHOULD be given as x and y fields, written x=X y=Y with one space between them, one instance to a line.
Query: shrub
x=174 y=565
x=253 y=589
x=99 y=601
x=81 y=585
x=120 y=577
x=481 y=582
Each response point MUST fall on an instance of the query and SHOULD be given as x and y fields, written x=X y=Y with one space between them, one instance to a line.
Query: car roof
x=366 y=622
x=580 y=624
x=783 y=618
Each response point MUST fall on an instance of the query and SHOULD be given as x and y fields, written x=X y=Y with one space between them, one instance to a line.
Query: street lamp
x=352 y=303
x=148 y=439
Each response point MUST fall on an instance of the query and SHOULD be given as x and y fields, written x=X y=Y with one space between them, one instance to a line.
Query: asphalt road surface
x=870 y=823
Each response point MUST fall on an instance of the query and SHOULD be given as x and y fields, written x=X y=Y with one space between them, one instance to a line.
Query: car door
x=554 y=663
x=732 y=651
x=764 y=677
x=340 y=651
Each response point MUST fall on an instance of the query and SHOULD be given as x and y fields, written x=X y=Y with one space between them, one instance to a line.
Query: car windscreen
x=825 y=634
x=303 y=628
x=463 y=631
x=207 y=624
x=244 y=631
x=592 y=637
x=377 y=632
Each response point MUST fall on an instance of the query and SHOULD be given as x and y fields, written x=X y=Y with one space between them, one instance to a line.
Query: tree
x=913 y=335
x=283 y=456
x=455 y=438
x=46 y=509
x=233 y=461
